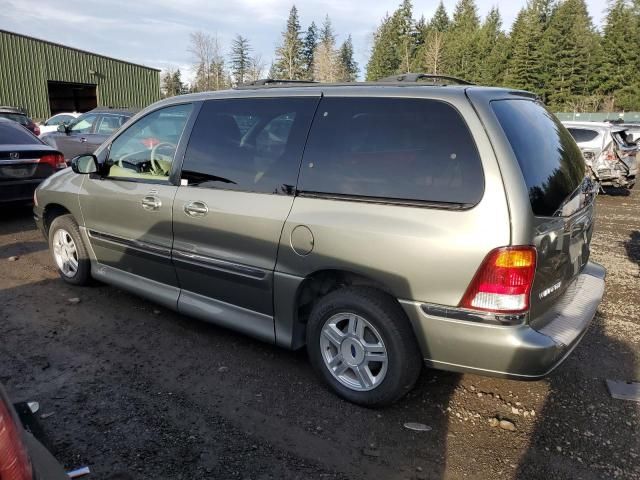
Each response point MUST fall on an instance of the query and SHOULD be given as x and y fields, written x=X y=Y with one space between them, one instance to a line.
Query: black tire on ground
x=385 y=314
x=83 y=274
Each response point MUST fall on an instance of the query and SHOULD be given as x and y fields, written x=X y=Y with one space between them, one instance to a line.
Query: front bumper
x=527 y=351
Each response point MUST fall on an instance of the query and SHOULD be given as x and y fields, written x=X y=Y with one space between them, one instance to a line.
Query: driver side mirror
x=63 y=127
x=85 y=164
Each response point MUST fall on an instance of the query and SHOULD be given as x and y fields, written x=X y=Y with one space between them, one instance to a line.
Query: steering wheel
x=155 y=167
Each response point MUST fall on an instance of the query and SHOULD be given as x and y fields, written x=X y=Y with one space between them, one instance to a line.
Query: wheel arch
x=295 y=299
x=51 y=212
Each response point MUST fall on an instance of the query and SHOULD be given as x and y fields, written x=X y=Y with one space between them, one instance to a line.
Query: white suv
x=608 y=150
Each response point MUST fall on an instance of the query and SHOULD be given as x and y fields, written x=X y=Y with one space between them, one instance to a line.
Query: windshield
x=551 y=163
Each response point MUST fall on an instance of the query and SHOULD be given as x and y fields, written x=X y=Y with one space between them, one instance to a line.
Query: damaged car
x=609 y=151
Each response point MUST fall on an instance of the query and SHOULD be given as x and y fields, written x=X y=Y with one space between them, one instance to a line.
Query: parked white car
x=51 y=125
x=609 y=150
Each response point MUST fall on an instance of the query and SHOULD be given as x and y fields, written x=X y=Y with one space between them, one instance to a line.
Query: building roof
x=77 y=49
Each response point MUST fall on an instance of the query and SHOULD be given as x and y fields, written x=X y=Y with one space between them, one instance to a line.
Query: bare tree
x=433 y=52
x=217 y=67
x=325 y=63
x=201 y=47
x=257 y=67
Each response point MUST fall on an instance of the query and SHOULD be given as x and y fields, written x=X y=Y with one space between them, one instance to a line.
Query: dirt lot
x=138 y=390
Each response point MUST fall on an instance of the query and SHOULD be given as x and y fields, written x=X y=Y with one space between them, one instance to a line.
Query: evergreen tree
x=620 y=46
x=172 y=83
x=440 y=20
x=308 y=47
x=567 y=48
x=394 y=44
x=460 y=46
x=383 y=60
x=348 y=68
x=289 y=61
x=492 y=50
x=240 y=59
x=525 y=66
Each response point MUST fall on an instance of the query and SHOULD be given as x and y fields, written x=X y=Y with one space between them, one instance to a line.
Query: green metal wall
x=26 y=64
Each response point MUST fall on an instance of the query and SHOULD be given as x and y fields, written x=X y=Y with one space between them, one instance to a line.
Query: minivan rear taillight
x=14 y=463
x=55 y=160
x=503 y=282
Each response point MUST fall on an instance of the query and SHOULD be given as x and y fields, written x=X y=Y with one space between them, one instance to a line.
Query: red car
x=17 y=115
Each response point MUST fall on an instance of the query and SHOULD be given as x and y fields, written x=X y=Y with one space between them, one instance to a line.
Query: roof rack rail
x=416 y=77
x=271 y=81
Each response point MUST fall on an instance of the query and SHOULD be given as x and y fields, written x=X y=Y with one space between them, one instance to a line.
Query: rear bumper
x=523 y=351
x=18 y=190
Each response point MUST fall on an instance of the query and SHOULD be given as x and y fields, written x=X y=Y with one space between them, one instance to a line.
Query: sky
x=156 y=32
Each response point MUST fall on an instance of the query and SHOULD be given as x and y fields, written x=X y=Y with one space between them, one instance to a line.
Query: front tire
x=361 y=343
x=68 y=251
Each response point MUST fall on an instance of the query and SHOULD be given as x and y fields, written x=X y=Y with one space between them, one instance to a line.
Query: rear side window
x=13 y=134
x=392 y=148
x=583 y=135
x=248 y=144
x=550 y=160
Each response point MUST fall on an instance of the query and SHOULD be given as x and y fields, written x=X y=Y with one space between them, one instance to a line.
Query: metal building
x=45 y=78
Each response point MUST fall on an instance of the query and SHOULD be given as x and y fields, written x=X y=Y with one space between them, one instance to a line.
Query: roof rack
x=416 y=77
x=271 y=81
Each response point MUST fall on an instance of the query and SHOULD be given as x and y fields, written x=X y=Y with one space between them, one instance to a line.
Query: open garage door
x=71 y=97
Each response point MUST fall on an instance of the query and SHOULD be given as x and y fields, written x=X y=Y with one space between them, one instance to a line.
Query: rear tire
x=361 y=343
x=69 y=253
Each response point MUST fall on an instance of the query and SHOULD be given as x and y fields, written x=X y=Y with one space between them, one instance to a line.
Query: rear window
x=392 y=148
x=16 y=117
x=550 y=160
x=583 y=135
x=11 y=134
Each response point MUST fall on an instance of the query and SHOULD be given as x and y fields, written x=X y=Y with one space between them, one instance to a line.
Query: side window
x=146 y=149
x=250 y=144
x=109 y=124
x=84 y=124
x=583 y=135
x=392 y=148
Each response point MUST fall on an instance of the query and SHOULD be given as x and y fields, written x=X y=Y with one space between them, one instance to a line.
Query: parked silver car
x=609 y=150
x=379 y=224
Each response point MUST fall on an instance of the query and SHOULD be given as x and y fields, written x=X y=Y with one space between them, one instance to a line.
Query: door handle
x=151 y=203
x=196 y=209
x=83 y=139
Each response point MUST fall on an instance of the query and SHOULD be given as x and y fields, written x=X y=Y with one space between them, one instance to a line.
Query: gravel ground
x=135 y=391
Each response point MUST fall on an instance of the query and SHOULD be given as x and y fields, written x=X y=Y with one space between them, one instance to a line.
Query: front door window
x=147 y=148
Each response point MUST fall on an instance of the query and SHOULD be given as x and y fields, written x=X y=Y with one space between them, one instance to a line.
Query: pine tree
x=171 y=83
x=347 y=68
x=567 y=48
x=240 y=59
x=289 y=61
x=308 y=47
x=383 y=60
x=525 y=66
x=492 y=50
x=394 y=44
x=460 y=46
x=440 y=20
x=620 y=44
